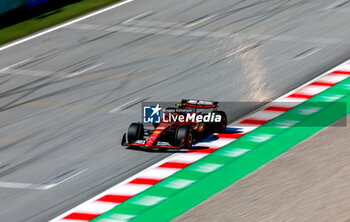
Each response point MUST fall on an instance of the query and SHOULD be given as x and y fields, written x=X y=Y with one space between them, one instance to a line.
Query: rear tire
x=184 y=137
x=135 y=132
x=221 y=126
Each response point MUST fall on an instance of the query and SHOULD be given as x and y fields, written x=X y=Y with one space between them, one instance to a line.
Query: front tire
x=135 y=132
x=184 y=137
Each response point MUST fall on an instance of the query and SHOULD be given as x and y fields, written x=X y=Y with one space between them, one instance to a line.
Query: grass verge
x=49 y=18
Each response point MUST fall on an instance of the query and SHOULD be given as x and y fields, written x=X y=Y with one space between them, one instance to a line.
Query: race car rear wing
x=201 y=104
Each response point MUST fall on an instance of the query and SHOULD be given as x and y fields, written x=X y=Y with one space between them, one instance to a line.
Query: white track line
x=248 y=47
x=62 y=181
x=136 y=17
x=122 y=106
x=82 y=71
x=306 y=53
x=16 y=64
x=15 y=185
x=64 y=25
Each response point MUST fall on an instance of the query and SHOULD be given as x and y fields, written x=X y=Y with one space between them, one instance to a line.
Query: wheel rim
x=189 y=139
x=223 y=124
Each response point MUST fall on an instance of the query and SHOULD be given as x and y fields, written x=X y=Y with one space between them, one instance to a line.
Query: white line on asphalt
x=199 y=21
x=122 y=106
x=136 y=17
x=64 y=25
x=16 y=64
x=241 y=50
x=62 y=181
x=82 y=71
x=306 y=53
x=22 y=186
x=32 y=186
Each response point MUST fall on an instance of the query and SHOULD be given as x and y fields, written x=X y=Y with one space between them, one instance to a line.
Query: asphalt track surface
x=63 y=94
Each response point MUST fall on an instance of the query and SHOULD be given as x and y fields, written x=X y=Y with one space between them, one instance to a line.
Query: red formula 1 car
x=179 y=127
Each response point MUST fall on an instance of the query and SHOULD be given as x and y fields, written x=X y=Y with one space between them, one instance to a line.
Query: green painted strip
x=211 y=174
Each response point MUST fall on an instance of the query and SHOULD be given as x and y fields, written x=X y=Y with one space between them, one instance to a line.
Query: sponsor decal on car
x=163 y=143
x=140 y=141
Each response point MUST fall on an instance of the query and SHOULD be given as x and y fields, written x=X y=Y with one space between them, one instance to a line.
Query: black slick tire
x=184 y=137
x=135 y=132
